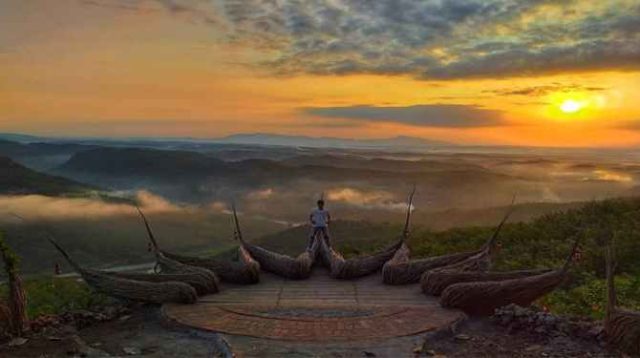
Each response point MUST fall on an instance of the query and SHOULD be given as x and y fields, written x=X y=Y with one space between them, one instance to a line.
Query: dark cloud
x=431 y=115
x=618 y=54
x=536 y=91
x=126 y=5
x=192 y=10
x=428 y=39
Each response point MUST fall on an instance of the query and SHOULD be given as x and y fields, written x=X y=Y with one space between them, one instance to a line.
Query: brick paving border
x=386 y=322
x=260 y=310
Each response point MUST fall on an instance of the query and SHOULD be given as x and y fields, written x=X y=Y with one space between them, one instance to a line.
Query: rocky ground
x=140 y=331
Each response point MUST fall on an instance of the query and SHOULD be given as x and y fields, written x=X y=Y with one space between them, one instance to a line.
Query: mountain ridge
x=329 y=142
x=18 y=179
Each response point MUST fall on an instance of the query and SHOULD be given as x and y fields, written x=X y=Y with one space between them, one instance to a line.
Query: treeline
x=546 y=241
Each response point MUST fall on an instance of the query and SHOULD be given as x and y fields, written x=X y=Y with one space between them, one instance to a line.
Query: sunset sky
x=544 y=73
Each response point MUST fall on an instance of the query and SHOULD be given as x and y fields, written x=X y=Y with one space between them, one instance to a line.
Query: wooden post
x=407 y=222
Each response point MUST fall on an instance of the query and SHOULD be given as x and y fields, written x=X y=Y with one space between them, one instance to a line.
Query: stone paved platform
x=320 y=308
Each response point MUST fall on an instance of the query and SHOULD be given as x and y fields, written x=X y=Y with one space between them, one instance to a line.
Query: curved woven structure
x=483 y=297
x=478 y=261
x=300 y=267
x=362 y=266
x=244 y=271
x=622 y=327
x=201 y=283
x=135 y=290
x=401 y=270
x=297 y=268
x=438 y=280
x=200 y=277
x=205 y=280
x=358 y=266
x=623 y=330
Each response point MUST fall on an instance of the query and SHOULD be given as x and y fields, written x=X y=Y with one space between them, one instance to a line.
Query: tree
x=18 y=321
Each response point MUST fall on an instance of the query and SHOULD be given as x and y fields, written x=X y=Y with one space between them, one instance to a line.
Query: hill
x=17 y=179
x=187 y=175
x=19 y=137
x=40 y=155
x=137 y=162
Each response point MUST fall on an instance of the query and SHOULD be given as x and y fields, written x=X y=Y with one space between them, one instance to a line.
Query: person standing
x=320 y=219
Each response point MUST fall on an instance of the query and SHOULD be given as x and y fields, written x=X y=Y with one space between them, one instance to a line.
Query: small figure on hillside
x=56 y=269
x=320 y=219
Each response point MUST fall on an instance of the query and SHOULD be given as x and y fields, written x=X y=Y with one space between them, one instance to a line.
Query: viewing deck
x=317 y=309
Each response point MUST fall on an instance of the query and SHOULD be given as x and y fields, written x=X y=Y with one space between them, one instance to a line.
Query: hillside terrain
x=16 y=179
x=40 y=155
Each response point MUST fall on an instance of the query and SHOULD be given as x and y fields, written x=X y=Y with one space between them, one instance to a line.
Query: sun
x=571 y=106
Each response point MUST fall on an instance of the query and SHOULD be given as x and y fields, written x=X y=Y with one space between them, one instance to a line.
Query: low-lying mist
x=190 y=209
x=37 y=207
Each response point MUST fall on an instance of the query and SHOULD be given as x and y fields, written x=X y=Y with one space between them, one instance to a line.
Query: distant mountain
x=143 y=162
x=199 y=177
x=155 y=165
x=20 y=149
x=21 y=138
x=40 y=156
x=402 y=142
x=17 y=179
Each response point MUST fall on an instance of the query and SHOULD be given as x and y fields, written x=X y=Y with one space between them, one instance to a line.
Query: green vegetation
x=546 y=241
x=11 y=260
x=586 y=296
x=47 y=295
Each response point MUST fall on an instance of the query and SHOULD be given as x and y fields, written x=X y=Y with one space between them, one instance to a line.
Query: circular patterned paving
x=319 y=308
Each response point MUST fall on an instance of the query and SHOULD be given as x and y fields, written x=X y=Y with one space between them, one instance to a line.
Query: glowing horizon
x=182 y=68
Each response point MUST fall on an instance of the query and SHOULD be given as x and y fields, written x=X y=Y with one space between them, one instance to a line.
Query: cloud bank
x=366 y=199
x=430 y=39
x=58 y=208
x=537 y=91
x=432 y=115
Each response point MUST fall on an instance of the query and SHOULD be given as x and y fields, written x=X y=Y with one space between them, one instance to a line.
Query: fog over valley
x=187 y=188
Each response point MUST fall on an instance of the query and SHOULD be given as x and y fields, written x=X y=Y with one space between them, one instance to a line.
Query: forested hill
x=17 y=179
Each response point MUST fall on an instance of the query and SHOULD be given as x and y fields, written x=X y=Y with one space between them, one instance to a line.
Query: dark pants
x=317 y=231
